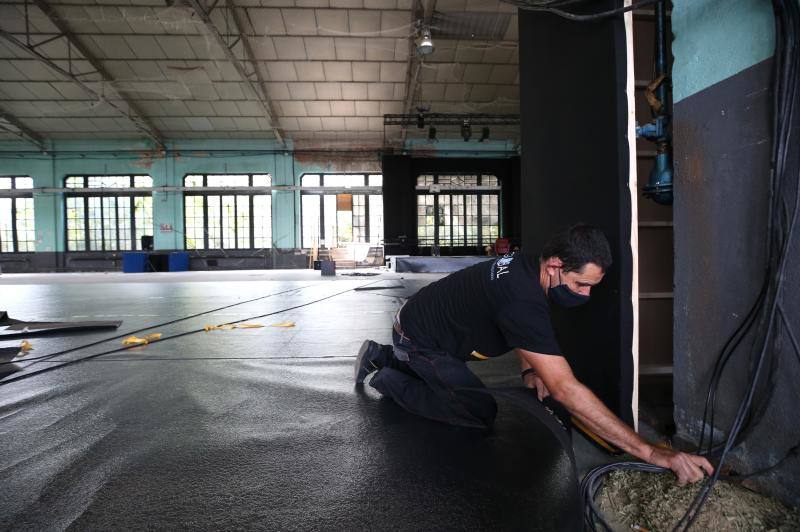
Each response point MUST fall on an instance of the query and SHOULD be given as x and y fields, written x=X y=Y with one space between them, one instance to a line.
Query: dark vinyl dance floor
x=252 y=428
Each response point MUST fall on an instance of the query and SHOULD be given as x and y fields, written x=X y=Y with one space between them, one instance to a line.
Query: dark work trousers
x=433 y=384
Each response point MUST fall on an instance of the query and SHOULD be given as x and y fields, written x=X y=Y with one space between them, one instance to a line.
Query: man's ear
x=552 y=264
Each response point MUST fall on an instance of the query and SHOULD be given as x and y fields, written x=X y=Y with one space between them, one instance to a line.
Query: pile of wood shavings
x=634 y=500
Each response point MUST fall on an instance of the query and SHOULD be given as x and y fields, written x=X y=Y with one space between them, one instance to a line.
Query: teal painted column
x=285 y=204
x=48 y=207
x=714 y=40
x=167 y=207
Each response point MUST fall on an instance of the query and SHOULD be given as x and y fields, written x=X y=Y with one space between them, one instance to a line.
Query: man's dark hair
x=579 y=245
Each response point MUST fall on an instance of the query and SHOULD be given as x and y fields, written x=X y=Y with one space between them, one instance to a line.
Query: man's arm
x=557 y=376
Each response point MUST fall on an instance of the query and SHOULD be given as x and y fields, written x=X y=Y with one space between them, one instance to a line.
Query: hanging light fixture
x=425 y=42
x=466 y=130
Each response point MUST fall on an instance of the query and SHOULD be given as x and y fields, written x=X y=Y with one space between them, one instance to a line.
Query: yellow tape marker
x=479 y=356
x=25 y=346
x=135 y=340
x=231 y=326
x=283 y=324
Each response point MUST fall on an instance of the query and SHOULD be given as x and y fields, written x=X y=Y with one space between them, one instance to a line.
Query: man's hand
x=532 y=380
x=687 y=467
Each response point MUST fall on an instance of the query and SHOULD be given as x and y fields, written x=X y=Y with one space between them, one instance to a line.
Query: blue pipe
x=659 y=186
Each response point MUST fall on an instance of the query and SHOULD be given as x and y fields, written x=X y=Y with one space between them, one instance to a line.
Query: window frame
x=205 y=191
x=428 y=184
x=322 y=190
x=14 y=193
x=86 y=192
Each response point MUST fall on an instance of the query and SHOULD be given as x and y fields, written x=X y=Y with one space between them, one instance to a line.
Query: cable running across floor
x=137 y=331
x=174 y=336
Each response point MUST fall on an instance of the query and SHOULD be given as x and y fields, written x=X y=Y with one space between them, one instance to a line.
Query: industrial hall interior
x=400 y=265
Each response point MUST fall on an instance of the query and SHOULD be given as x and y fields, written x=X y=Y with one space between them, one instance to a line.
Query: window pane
x=471 y=204
x=26 y=236
x=144 y=181
x=110 y=224
x=490 y=226
x=375 y=180
x=124 y=223
x=262 y=180
x=6 y=231
x=193 y=181
x=193 y=222
x=458 y=220
x=444 y=220
x=243 y=222
x=343 y=180
x=330 y=221
x=262 y=221
x=95 y=224
x=75 y=225
x=310 y=219
x=359 y=218
x=231 y=180
x=489 y=181
x=228 y=221
x=214 y=241
x=23 y=182
x=424 y=180
x=309 y=180
x=5 y=183
x=375 y=219
x=425 y=219
x=143 y=217
x=74 y=182
x=109 y=181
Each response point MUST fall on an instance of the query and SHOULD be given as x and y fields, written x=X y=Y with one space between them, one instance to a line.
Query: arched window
x=107 y=213
x=16 y=214
x=457 y=210
x=340 y=209
x=228 y=211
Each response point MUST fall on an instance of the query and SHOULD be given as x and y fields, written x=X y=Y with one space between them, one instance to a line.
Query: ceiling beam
x=133 y=113
x=258 y=88
x=11 y=123
x=423 y=15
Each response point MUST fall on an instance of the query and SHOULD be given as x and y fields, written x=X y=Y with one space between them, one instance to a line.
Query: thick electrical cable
x=766 y=314
x=171 y=337
x=553 y=8
x=786 y=58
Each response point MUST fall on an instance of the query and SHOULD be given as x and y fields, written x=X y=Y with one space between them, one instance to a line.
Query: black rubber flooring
x=253 y=428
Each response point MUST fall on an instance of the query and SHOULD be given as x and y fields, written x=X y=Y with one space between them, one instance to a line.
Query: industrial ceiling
x=313 y=72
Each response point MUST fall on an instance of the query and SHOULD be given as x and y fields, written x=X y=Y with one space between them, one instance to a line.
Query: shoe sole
x=362 y=352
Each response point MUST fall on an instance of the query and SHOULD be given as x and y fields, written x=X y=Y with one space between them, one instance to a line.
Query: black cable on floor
x=172 y=337
x=171 y=322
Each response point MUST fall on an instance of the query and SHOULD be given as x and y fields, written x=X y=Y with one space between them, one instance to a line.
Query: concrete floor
x=253 y=428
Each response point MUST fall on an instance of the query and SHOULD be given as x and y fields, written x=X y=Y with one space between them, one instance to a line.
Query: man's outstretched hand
x=532 y=380
x=687 y=467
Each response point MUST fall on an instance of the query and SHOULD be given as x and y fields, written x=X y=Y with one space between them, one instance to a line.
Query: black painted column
x=575 y=169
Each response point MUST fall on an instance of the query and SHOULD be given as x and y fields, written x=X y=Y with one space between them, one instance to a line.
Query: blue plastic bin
x=178 y=261
x=134 y=262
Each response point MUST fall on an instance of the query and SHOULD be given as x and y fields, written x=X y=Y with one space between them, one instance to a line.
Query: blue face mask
x=562 y=296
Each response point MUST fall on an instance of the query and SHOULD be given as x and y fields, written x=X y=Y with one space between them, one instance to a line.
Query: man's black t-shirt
x=484 y=310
